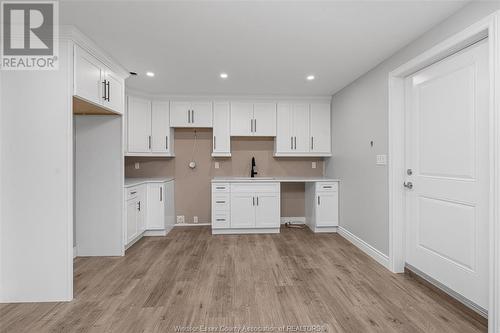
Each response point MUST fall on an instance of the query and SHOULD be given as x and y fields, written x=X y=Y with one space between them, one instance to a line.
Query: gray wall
x=360 y=115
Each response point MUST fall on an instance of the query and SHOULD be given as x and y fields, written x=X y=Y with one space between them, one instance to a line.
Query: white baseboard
x=74 y=252
x=319 y=230
x=191 y=224
x=365 y=247
x=245 y=231
x=159 y=232
x=293 y=219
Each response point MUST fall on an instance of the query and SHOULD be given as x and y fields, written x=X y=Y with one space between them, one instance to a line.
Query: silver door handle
x=408 y=185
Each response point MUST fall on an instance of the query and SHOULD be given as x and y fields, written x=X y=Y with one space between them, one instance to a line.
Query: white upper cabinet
x=221 y=145
x=190 y=114
x=148 y=129
x=253 y=119
x=303 y=129
x=161 y=132
x=94 y=82
x=320 y=128
x=139 y=125
x=241 y=119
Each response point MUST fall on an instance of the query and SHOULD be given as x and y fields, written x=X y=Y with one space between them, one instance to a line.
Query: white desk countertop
x=273 y=179
x=138 y=181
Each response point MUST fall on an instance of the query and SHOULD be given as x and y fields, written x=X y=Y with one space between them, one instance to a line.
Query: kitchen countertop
x=138 y=181
x=273 y=179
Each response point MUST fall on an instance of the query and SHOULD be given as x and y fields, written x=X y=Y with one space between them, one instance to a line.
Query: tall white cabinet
x=221 y=140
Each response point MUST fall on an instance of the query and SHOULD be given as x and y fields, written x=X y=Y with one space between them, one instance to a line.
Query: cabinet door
x=300 y=128
x=241 y=119
x=156 y=206
x=139 y=125
x=265 y=119
x=180 y=114
x=267 y=212
x=87 y=77
x=115 y=92
x=242 y=210
x=142 y=210
x=160 y=127
x=221 y=137
x=201 y=114
x=327 y=209
x=320 y=128
x=131 y=228
x=284 y=136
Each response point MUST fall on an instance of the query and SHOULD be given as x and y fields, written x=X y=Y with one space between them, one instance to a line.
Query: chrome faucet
x=253 y=172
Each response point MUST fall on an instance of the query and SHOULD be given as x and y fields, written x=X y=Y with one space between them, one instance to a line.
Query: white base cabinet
x=149 y=210
x=245 y=208
x=322 y=206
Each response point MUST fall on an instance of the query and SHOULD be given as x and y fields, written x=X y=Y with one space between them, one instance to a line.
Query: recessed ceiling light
x=150 y=74
x=310 y=77
x=223 y=75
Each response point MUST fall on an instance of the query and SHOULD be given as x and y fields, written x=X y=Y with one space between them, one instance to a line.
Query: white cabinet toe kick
x=243 y=206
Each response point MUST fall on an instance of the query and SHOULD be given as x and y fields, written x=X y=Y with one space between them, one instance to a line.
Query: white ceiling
x=265 y=47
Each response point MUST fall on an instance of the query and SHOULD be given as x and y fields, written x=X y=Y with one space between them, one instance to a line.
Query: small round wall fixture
x=192 y=164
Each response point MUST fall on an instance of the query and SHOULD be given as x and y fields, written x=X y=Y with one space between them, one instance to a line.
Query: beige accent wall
x=192 y=186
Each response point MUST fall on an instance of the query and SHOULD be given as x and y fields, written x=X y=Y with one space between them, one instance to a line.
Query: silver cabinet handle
x=257 y=201
x=189 y=116
x=166 y=143
x=104 y=90
x=219 y=202
x=312 y=142
x=161 y=193
x=295 y=139
x=109 y=90
x=319 y=200
x=220 y=220
x=134 y=192
x=220 y=187
x=139 y=206
x=255 y=125
x=291 y=142
x=149 y=139
x=251 y=125
x=253 y=201
x=215 y=142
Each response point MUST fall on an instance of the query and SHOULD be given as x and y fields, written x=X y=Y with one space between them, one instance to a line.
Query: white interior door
x=447 y=151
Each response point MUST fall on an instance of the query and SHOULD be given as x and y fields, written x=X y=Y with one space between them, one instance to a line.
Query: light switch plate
x=216 y=165
x=382 y=159
x=313 y=165
x=137 y=165
x=180 y=219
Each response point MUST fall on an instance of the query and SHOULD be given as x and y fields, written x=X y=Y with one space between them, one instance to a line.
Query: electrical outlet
x=313 y=165
x=137 y=165
x=216 y=165
x=381 y=159
x=195 y=219
x=180 y=219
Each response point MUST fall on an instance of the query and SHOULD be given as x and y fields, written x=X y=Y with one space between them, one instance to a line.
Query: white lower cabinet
x=149 y=209
x=322 y=206
x=245 y=208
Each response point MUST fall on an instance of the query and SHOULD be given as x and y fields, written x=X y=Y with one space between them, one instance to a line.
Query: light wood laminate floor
x=191 y=278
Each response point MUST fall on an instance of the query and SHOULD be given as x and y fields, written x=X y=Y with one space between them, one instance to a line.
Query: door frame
x=487 y=27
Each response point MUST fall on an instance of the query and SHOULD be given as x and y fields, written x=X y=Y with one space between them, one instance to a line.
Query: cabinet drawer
x=220 y=187
x=327 y=186
x=220 y=203
x=132 y=192
x=255 y=187
x=221 y=221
